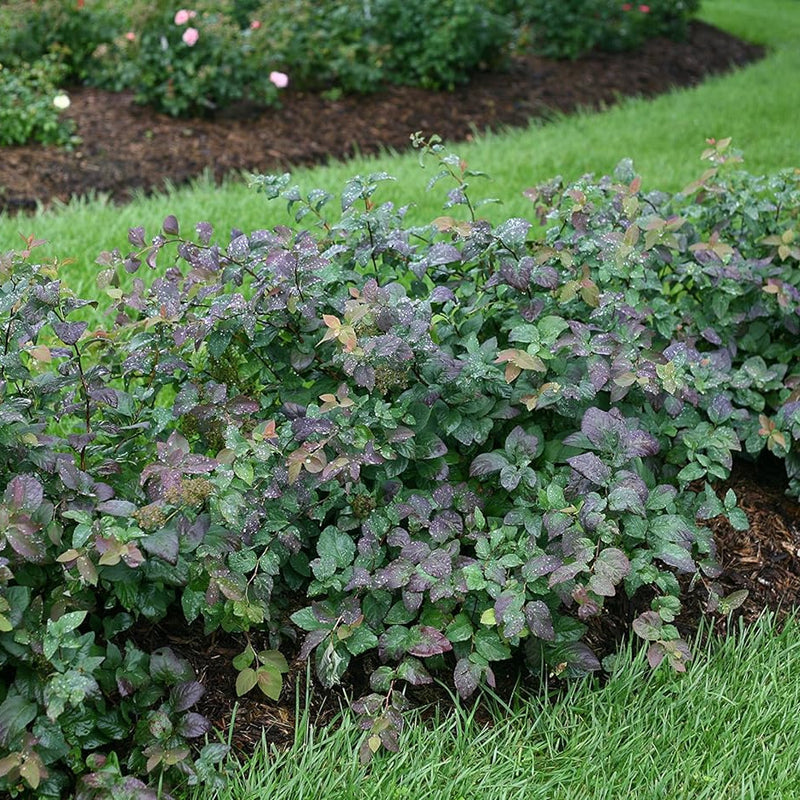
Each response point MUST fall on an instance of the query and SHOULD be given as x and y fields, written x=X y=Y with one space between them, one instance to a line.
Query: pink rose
x=255 y=25
x=644 y=9
x=183 y=16
x=626 y=6
x=190 y=36
x=280 y=79
x=130 y=36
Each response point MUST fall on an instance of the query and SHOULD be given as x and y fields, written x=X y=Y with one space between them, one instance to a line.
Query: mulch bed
x=127 y=148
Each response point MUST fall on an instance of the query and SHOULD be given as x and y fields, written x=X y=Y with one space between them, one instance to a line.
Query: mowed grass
x=757 y=106
x=725 y=730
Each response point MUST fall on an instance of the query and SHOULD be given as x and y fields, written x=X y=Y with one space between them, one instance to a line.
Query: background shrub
x=29 y=103
x=225 y=52
x=70 y=30
x=569 y=28
x=191 y=61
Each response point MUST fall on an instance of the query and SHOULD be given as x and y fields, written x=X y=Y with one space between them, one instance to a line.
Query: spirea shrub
x=440 y=445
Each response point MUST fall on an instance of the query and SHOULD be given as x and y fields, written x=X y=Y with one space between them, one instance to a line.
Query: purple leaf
x=24 y=493
x=167 y=667
x=589 y=466
x=580 y=657
x=466 y=676
x=170 y=226
x=486 y=464
x=540 y=565
x=565 y=573
x=312 y=640
x=438 y=564
x=446 y=525
x=136 y=236
x=185 y=695
x=545 y=276
x=522 y=442
x=412 y=671
x=26 y=539
x=432 y=642
x=204 y=232
x=193 y=725
x=648 y=625
x=655 y=654
x=612 y=564
x=441 y=253
x=69 y=332
x=163 y=544
x=116 y=508
x=640 y=443
x=441 y=294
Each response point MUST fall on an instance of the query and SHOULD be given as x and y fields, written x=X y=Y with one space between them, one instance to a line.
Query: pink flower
x=280 y=79
x=130 y=36
x=255 y=25
x=644 y=9
x=190 y=36
x=626 y=6
x=183 y=16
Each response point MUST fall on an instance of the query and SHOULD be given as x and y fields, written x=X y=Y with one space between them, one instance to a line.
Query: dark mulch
x=126 y=147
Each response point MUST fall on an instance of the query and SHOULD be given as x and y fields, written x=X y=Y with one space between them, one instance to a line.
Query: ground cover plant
x=255 y=437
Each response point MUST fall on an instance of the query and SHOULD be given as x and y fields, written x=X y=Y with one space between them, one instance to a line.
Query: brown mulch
x=125 y=147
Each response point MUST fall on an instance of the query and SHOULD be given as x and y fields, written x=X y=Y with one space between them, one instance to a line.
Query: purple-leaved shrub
x=440 y=444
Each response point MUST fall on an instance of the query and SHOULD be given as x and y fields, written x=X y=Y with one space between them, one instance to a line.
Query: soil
x=126 y=148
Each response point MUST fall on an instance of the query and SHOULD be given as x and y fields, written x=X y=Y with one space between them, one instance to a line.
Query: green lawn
x=726 y=729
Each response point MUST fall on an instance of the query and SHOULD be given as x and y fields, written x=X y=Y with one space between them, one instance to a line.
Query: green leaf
x=269 y=681
x=460 y=629
x=274 y=659
x=738 y=519
x=16 y=713
x=489 y=644
x=307 y=620
x=336 y=547
x=245 y=681
x=361 y=640
x=691 y=472
x=244 y=659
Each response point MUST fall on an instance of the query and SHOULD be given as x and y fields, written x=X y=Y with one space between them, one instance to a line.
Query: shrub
x=70 y=30
x=351 y=46
x=191 y=61
x=441 y=445
x=30 y=103
x=442 y=44
x=570 y=28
